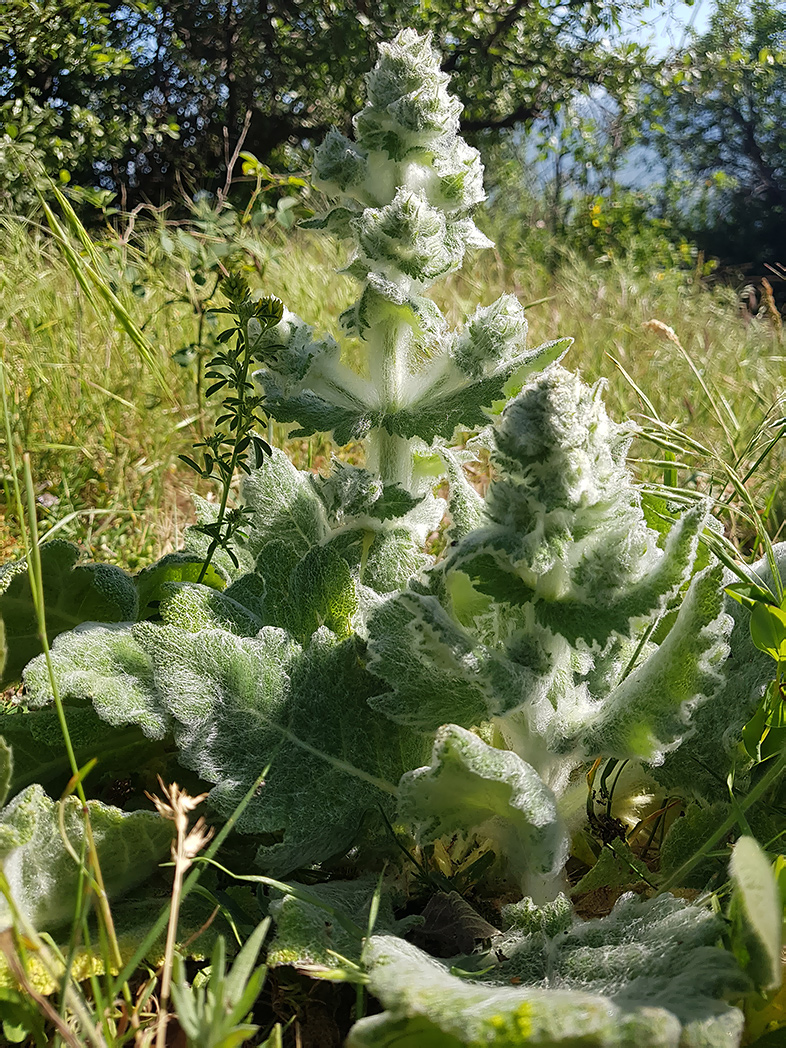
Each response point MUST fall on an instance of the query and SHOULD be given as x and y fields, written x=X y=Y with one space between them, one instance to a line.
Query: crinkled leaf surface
x=476 y=788
x=434 y=669
x=236 y=704
x=195 y=607
x=285 y=507
x=648 y=974
x=241 y=703
x=649 y=711
x=73 y=593
x=700 y=764
x=43 y=875
x=109 y=667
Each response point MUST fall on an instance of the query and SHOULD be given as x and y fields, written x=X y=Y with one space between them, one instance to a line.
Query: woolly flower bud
x=409 y=105
x=563 y=456
x=407 y=64
x=411 y=236
x=492 y=334
x=338 y=164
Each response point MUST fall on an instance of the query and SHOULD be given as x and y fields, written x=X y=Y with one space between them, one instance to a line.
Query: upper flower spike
x=409 y=177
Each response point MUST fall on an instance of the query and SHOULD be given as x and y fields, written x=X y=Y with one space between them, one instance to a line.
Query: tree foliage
x=719 y=122
x=64 y=101
x=298 y=69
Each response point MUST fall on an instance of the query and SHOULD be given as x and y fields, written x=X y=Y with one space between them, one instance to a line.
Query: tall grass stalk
x=107 y=933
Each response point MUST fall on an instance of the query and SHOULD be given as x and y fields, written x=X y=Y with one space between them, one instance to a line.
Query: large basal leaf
x=649 y=975
x=235 y=704
x=649 y=712
x=132 y=915
x=73 y=593
x=109 y=667
x=238 y=704
x=471 y=787
x=43 y=875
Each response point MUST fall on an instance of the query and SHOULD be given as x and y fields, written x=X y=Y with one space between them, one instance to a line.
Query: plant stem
x=239 y=434
x=389 y=454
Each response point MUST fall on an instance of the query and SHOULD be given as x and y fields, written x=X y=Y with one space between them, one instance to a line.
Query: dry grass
x=104 y=439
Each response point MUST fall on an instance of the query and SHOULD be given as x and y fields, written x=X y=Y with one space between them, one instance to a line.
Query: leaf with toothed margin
x=465 y=504
x=485 y=559
x=73 y=593
x=315 y=414
x=649 y=712
x=699 y=766
x=437 y=672
x=648 y=974
x=432 y=665
x=351 y=491
x=473 y=787
x=595 y=621
x=471 y=404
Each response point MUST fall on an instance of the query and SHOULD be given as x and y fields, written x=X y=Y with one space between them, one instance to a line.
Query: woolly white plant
x=558 y=628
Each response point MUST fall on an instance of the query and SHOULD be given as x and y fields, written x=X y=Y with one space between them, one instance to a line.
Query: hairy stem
x=389 y=454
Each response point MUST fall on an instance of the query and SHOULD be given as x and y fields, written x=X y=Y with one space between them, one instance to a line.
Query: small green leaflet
x=768 y=630
x=756 y=914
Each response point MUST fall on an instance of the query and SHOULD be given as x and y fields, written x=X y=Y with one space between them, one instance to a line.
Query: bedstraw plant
x=423 y=713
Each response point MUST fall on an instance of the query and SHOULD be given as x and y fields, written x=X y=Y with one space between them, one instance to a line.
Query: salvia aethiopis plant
x=443 y=716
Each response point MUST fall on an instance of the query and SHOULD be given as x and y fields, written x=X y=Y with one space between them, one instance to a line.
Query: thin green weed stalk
x=227 y=449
